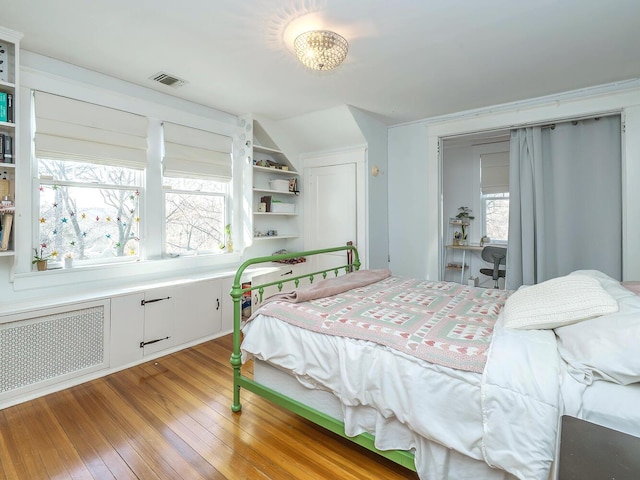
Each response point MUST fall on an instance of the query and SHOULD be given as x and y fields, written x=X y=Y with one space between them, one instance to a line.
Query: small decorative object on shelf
x=68 y=260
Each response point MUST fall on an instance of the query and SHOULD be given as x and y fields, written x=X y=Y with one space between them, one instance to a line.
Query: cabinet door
x=198 y=309
x=227 y=305
x=127 y=329
x=159 y=318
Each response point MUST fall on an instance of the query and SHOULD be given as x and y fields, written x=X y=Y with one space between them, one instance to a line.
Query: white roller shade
x=69 y=129
x=189 y=152
x=494 y=172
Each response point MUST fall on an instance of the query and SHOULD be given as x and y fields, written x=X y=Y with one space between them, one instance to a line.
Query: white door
x=331 y=210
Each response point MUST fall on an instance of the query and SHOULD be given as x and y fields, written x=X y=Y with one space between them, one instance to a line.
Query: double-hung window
x=197 y=169
x=90 y=164
x=494 y=184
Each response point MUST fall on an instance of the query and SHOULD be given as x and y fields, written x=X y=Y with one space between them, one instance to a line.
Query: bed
x=490 y=410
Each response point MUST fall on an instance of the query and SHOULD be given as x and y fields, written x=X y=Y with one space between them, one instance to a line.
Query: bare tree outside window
x=496 y=216
x=89 y=211
x=195 y=215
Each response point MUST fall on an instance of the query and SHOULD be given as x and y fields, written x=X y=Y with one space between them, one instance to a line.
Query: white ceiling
x=408 y=59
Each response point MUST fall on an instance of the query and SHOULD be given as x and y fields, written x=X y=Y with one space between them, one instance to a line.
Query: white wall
x=17 y=282
x=411 y=214
x=376 y=208
x=414 y=159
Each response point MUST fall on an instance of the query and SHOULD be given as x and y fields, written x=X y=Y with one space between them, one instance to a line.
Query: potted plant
x=465 y=215
x=228 y=244
x=40 y=259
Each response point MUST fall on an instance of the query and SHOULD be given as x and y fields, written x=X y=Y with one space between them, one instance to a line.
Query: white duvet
x=505 y=418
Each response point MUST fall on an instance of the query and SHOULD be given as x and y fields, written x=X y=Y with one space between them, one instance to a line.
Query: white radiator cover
x=49 y=346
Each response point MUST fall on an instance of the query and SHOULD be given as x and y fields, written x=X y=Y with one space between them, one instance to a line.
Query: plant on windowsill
x=228 y=244
x=40 y=259
x=465 y=215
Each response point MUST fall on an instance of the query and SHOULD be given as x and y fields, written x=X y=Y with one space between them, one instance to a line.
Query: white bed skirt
x=437 y=462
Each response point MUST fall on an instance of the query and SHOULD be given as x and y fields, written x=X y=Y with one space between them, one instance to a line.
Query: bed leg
x=236 y=363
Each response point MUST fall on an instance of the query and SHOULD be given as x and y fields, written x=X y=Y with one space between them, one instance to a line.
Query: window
x=91 y=162
x=197 y=175
x=496 y=216
x=494 y=184
x=195 y=215
x=88 y=211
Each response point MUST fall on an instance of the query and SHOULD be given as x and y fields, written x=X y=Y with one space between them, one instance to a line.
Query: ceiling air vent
x=166 y=79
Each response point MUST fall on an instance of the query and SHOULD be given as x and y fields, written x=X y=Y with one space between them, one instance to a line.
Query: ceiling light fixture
x=320 y=49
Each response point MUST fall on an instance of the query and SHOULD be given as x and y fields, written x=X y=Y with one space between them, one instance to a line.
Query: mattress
x=407 y=402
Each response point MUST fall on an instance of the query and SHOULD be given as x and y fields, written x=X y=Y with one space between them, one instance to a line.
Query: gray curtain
x=565 y=191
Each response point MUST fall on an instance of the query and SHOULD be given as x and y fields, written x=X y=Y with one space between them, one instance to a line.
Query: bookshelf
x=272 y=173
x=9 y=98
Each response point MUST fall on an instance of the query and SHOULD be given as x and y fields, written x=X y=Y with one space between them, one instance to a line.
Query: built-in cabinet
x=9 y=98
x=162 y=318
x=59 y=345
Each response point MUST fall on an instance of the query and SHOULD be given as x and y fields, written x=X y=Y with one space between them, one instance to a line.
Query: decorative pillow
x=557 y=302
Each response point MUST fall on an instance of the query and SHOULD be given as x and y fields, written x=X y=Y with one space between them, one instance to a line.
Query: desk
x=464 y=249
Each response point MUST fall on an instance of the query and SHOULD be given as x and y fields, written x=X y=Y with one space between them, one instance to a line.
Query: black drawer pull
x=286 y=273
x=142 y=344
x=144 y=302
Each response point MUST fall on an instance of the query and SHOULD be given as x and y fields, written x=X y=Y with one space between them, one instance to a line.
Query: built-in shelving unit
x=269 y=164
x=9 y=98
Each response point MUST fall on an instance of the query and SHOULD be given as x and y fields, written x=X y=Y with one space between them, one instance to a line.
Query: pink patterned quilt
x=441 y=322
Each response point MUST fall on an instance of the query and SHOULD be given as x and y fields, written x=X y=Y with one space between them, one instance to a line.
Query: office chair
x=497 y=256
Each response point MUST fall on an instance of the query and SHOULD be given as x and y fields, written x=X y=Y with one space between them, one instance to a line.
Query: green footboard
x=401 y=457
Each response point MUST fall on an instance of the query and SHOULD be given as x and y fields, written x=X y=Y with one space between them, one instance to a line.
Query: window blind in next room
x=494 y=173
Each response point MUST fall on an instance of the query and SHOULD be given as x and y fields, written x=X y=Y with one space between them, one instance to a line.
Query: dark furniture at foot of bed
x=593 y=452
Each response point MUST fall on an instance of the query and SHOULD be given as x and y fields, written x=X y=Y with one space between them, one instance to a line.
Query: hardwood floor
x=171 y=419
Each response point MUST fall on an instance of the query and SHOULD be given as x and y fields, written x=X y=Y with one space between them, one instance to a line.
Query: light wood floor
x=171 y=419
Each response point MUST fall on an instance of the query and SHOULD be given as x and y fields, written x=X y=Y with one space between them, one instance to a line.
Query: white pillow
x=606 y=347
x=557 y=302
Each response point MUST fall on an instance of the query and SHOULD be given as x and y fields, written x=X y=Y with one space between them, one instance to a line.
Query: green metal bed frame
x=366 y=440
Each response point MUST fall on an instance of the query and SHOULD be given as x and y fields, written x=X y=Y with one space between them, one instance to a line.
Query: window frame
x=156 y=109
x=484 y=199
x=42 y=180
x=226 y=220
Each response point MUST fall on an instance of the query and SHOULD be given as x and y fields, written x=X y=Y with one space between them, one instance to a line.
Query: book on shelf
x=7 y=221
x=3 y=107
x=6 y=148
x=6 y=107
x=10 y=107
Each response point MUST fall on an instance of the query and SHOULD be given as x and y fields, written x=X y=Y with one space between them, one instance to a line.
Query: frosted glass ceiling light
x=320 y=49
